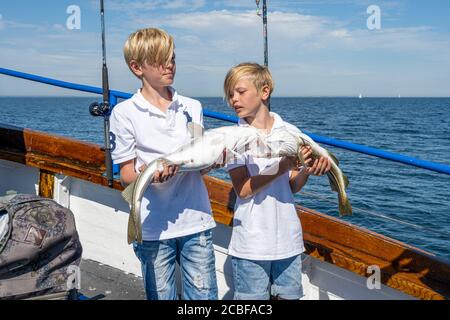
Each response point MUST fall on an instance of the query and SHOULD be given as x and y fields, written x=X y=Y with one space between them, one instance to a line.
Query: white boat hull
x=101 y=217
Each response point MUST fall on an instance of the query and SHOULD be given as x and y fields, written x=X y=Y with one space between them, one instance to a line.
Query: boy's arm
x=246 y=186
x=128 y=174
x=299 y=177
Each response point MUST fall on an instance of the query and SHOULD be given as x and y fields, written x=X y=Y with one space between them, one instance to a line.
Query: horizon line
x=220 y=97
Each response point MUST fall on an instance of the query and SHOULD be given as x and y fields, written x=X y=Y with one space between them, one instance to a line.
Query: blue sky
x=316 y=47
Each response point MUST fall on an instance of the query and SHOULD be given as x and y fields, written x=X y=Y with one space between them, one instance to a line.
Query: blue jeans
x=194 y=253
x=259 y=279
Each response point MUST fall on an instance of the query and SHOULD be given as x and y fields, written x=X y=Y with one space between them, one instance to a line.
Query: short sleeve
x=123 y=142
x=197 y=113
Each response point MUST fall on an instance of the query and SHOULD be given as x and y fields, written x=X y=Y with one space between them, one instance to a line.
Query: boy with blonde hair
x=266 y=242
x=175 y=210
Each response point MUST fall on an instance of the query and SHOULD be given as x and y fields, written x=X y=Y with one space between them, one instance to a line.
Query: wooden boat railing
x=403 y=267
x=114 y=95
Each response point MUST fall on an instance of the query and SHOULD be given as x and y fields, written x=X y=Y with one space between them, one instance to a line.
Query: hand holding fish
x=161 y=176
x=168 y=172
x=287 y=163
x=319 y=167
x=204 y=152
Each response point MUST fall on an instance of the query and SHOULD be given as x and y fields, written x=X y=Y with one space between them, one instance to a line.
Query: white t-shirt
x=266 y=226
x=179 y=206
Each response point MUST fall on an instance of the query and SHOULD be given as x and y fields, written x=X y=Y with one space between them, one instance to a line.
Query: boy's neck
x=158 y=97
x=261 y=120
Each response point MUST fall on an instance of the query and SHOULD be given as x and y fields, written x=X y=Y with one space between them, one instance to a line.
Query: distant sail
x=360 y=96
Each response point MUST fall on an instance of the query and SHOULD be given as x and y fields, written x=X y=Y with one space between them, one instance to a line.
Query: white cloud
x=59 y=27
x=179 y=4
x=308 y=55
x=125 y=5
x=340 y=33
x=228 y=31
x=19 y=25
x=312 y=54
x=149 y=5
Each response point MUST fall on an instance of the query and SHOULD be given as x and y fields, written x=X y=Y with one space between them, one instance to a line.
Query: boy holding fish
x=266 y=242
x=175 y=209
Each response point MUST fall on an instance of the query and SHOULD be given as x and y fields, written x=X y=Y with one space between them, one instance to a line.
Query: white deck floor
x=101 y=218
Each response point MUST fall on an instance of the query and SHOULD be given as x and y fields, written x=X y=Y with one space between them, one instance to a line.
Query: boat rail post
x=112 y=102
x=266 y=50
x=104 y=108
x=108 y=159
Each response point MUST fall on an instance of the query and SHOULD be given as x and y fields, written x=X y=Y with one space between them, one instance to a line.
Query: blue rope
x=424 y=164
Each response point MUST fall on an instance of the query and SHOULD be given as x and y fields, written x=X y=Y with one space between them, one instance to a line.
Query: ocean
x=406 y=203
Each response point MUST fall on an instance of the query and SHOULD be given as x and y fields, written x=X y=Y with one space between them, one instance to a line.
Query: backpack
x=40 y=251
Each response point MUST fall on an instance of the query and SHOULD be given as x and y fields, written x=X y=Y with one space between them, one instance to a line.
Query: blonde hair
x=258 y=74
x=152 y=46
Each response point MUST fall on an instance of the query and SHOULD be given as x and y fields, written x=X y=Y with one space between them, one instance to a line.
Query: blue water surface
x=405 y=203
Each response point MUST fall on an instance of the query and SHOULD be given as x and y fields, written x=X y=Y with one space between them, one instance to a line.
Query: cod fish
x=210 y=147
x=281 y=141
x=202 y=152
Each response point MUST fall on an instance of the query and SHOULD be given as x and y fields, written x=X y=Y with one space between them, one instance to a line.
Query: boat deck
x=339 y=258
x=102 y=282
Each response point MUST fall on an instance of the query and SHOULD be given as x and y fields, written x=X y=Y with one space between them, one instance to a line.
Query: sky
x=316 y=47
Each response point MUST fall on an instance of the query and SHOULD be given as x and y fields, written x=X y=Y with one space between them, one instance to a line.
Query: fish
x=222 y=145
x=287 y=143
x=337 y=179
x=207 y=148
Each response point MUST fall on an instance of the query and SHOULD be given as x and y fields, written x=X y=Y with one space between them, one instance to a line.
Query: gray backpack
x=40 y=251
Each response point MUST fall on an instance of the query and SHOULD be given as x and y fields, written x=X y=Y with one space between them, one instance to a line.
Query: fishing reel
x=99 y=109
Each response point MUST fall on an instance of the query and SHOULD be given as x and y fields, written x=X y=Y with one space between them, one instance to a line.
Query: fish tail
x=127 y=194
x=134 y=229
x=131 y=229
x=345 y=208
x=138 y=228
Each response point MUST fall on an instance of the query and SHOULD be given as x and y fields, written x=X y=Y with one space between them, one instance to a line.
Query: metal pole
x=106 y=105
x=266 y=51
x=266 y=54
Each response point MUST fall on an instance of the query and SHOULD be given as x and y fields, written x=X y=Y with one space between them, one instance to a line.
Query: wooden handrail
x=403 y=267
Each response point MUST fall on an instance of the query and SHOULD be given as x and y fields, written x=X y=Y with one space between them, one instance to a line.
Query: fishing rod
x=103 y=109
x=264 y=19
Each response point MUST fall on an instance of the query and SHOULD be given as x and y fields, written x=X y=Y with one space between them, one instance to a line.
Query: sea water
x=402 y=202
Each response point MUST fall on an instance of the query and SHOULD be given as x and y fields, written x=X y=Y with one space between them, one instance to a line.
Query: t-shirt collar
x=278 y=122
x=142 y=103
